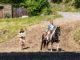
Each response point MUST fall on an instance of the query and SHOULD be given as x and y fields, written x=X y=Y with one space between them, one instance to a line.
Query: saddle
x=45 y=36
x=52 y=33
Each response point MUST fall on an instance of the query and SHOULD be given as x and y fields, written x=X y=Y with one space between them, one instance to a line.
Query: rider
x=50 y=28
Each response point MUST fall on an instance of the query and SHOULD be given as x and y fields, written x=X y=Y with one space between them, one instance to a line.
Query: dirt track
x=33 y=38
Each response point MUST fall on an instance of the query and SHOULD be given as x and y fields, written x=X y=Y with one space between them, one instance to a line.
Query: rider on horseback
x=49 y=29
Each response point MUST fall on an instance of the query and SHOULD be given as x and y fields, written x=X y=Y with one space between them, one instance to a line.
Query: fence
x=19 y=12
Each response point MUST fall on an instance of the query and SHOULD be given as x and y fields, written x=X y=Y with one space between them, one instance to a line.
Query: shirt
x=22 y=34
x=50 y=27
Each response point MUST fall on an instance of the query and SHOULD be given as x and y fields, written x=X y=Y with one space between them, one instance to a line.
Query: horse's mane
x=57 y=32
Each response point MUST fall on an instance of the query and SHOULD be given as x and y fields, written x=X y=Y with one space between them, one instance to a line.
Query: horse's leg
x=58 y=45
x=41 y=45
x=51 y=46
x=42 y=42
x=47 y=44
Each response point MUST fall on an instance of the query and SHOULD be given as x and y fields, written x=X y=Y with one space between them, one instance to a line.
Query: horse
x=55 y=38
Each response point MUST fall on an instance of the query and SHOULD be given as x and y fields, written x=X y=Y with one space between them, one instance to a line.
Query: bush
x=35 y=6
x=48 y=11
x=77 y=3
x=66 y=1
x=15 y=3
x=57 y=1
x=4 y=1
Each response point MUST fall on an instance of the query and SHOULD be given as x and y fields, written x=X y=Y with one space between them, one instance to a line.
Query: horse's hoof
x=51 y=50
x=58 y=49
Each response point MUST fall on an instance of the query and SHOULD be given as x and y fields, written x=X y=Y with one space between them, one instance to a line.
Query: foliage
x=68 y=7
x=15 y=3
x=77 y=3
x=67 y=1
x=77 y=36
x=48 y=12
x=57 y=1
x=35 y=6
x=4 y=1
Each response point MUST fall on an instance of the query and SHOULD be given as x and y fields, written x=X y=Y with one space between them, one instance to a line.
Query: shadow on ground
x=40 y=56
x=26 y=47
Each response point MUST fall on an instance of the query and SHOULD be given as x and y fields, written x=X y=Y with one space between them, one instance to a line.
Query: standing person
x=22 y=38
x=50 y=28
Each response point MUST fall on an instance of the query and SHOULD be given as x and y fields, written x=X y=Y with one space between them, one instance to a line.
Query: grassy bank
x=66 y=7
x=77 y=36
x=13 y=25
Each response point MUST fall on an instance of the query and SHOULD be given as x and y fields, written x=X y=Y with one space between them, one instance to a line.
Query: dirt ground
x=34 y=34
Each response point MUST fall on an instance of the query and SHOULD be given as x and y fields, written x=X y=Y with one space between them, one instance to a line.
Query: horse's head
x=57 y=31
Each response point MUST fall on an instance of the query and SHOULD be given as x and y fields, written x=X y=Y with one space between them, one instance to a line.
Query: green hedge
x=77 y=3
x=36 y=6
x=57 y=1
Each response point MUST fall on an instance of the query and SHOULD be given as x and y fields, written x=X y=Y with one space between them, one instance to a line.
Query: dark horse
x=55 y=38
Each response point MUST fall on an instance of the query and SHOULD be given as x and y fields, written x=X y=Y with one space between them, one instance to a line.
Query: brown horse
x=55 y=38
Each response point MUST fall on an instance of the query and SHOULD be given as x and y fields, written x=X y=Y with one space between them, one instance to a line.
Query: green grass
x=13 y=25
x=67 y=7
x=77 y=36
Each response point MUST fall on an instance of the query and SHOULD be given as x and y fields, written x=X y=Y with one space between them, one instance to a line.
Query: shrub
x=77 y=3
x=57 y=1
x=66 y=1
x=48 y=11
x=35 y=6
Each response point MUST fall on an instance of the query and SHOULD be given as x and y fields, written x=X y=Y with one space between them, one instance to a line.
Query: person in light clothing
x=22 y=38
x=50 y=29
